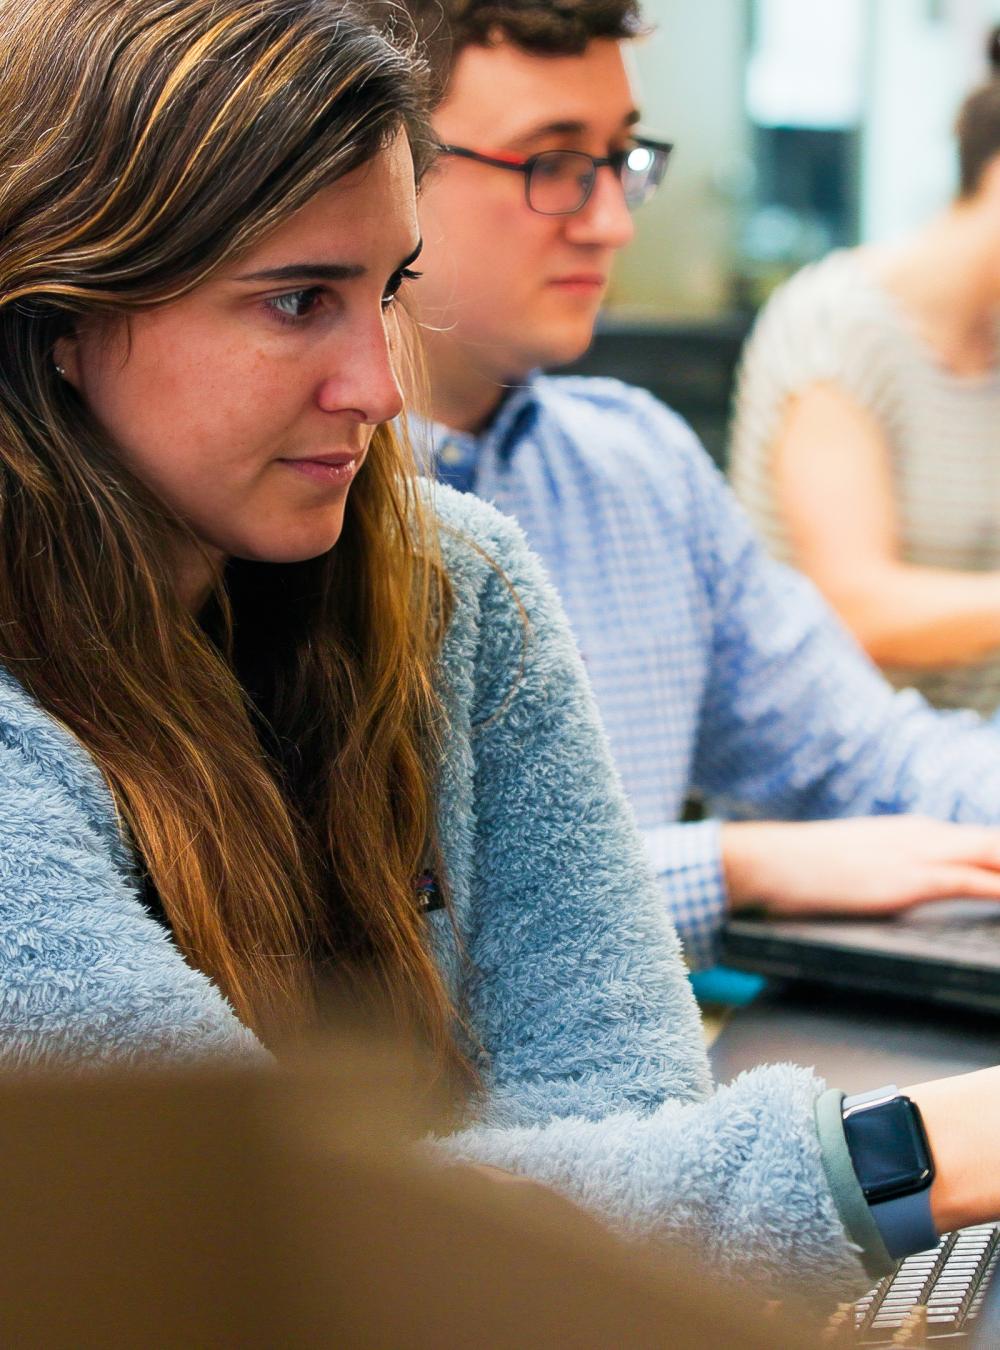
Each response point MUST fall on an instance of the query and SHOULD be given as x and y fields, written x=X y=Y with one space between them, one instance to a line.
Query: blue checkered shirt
x=717 y=671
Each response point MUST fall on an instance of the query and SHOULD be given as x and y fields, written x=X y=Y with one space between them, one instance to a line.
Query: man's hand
x=859 y=866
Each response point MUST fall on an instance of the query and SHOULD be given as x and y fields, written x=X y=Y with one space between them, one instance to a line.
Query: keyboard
x=932 y=1296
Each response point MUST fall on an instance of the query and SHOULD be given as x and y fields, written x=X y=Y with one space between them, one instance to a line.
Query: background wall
x=924 y=57
x=712 y=242
x=691 y=86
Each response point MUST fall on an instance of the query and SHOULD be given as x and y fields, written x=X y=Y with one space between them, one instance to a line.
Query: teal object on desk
x=719 y=984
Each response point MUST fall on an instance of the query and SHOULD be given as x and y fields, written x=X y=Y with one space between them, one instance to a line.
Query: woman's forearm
x=962 y=1119
x=923 y=617
x=836 y=491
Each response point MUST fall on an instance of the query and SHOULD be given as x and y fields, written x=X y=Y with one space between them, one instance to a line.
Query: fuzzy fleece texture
x=571 y=975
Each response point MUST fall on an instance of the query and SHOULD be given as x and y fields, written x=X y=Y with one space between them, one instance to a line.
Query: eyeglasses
x=560 y=182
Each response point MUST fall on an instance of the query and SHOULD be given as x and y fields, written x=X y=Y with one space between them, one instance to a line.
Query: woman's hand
x=870 y=866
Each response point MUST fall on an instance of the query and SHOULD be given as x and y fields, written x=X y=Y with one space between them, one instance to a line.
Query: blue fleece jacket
x=571 y=976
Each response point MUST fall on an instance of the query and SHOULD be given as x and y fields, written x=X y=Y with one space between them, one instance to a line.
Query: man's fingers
x=962 y=881
x=976 y=845
x=988 y=855
x=983 y=846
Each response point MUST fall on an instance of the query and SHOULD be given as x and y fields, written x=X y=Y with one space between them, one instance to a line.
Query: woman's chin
x=290 y=548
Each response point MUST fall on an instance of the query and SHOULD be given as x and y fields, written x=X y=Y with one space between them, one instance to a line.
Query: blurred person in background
x=716 y=670
x=866 y=435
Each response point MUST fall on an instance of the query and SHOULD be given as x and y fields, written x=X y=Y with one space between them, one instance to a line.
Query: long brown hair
x=142 y=146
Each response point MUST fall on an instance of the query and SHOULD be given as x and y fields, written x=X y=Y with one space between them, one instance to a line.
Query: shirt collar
x=455 y=455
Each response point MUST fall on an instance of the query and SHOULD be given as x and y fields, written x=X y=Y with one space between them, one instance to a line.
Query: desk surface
x=854 y=1041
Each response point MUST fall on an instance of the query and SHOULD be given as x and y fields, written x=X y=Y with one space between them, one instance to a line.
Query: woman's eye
x=395 y=282
x=295 y=305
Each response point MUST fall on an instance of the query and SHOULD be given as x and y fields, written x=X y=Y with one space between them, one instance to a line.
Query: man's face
x=508 y=288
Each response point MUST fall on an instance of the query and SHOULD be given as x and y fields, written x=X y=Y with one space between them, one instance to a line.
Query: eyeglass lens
x=560 y=181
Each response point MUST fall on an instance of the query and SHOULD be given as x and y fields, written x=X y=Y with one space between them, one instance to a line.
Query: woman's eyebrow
x=316 y=271
x=308 y=271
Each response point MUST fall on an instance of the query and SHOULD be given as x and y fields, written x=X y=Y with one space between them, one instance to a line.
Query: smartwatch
x=892 y=1159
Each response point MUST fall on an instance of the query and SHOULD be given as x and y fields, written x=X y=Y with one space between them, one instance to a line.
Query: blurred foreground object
x=283 y=1208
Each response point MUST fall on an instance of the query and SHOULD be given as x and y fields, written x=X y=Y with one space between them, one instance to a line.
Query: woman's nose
x=363 y=380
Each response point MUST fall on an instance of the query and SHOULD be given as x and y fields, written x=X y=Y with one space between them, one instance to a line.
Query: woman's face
x=248 y=405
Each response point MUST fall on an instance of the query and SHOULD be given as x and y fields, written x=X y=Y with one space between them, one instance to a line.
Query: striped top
x=834 y=322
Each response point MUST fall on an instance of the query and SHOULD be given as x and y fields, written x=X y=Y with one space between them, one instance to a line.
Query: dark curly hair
x=549 y=27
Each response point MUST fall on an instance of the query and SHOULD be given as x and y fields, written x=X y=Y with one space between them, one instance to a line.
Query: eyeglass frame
x=502 y=159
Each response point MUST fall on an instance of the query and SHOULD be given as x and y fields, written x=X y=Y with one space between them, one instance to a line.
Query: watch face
x=888 y=1149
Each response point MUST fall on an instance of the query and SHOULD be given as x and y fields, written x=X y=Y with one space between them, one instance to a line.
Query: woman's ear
x=66 y=356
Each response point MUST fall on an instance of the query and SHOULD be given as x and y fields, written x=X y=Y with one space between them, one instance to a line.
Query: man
x=715 y=670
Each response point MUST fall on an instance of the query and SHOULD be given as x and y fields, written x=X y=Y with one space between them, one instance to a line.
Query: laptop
x=947 y=951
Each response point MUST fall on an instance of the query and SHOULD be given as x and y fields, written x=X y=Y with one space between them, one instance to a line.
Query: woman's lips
x=337 y=470
x=583 y=283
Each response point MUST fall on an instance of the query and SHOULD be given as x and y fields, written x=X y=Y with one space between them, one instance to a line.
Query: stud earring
x=60 y=370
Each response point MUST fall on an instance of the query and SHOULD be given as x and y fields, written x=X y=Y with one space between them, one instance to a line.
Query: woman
x=866 y=442
x=267 y=712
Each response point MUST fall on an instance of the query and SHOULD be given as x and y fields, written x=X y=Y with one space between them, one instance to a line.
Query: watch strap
x=904 y=1222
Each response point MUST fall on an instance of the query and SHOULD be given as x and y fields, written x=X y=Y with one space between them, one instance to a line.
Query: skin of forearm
x=922 y=617
x=835 y=489
x=749 y=851
x=962 y=1118
x=744 y=845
